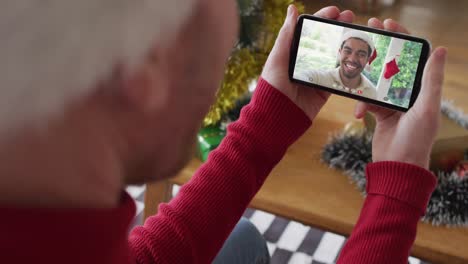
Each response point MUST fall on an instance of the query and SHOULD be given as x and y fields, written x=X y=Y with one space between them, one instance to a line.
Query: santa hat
x=362 y=36
x=55 y=52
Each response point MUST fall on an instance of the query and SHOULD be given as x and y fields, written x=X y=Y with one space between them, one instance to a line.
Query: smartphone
x=367 y=64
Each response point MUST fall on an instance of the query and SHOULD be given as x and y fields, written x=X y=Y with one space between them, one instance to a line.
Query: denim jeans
x=245 y=245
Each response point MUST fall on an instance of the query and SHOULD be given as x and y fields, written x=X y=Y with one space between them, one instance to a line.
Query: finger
x=330 y=12
x=346 y=16
x=360 y=110
x=285 y=35
x=392 y=25
x=322 y=94
x=433 y=78
x=375 y=23
x=380 y=113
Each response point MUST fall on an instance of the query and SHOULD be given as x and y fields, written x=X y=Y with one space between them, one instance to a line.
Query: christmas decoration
x=209 y=138
x=446 y=161
x=350 y=151
x=462 y=169
x=242 y=66
x=454 y=113
x=261 y=20
x=251 y=20
x=354 y=128
x=449 y=201
x=391 y=69
x=234 y=114
x=369 y=122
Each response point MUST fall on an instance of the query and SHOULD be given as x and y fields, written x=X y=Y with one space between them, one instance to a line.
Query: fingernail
x=441 y=52
x=357 y=111
x=289 y=12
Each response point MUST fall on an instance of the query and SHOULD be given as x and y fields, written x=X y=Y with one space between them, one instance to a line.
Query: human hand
x=408 y=137
x=276 y=68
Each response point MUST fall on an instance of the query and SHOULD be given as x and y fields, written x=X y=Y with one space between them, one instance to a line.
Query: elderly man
x=355 y=53
x=97 y=94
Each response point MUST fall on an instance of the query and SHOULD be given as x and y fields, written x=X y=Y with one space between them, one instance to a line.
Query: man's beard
x=351 y=70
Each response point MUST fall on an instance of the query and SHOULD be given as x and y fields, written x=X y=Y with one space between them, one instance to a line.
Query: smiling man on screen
x=356 y=51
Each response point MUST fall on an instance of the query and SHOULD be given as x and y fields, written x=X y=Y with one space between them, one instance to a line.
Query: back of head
x=53 y=52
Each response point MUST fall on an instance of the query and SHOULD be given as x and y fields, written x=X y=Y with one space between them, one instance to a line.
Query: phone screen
x=366 y=64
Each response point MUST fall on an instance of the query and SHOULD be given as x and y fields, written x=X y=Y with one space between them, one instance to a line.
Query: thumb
x=433 y=78
x=285 y=35
x=380 y=113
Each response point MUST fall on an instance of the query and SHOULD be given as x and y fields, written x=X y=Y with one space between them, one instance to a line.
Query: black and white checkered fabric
x=289 y=242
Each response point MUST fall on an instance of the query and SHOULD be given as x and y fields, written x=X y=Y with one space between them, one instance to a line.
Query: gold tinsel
x=245 y=64
x=355 y=128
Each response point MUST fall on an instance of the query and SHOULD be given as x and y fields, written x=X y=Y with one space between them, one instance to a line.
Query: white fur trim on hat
x=52 y=52
x=360 y=35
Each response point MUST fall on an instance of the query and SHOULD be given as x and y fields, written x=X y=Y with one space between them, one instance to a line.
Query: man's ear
x=145 y=88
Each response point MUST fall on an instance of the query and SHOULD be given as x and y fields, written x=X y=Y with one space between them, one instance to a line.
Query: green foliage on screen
x=314 y=54
x=381 y=44
x=408 y=64
x=402 y=83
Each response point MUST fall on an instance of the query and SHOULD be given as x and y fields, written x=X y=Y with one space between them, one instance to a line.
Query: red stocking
x=391 y=68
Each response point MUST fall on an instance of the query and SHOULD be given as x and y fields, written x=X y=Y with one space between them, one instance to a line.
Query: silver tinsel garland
x=454 y=113
x=449 y=201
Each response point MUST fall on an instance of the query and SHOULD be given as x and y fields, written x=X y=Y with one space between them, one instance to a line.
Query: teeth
x=351 y=67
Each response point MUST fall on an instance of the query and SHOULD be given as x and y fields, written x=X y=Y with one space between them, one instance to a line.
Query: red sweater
x=193 y=226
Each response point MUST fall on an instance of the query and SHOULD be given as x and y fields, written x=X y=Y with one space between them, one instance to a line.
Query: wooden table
x=306 y=190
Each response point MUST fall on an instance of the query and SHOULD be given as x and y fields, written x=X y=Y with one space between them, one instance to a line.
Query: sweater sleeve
x=194 y=225
x=398 y=194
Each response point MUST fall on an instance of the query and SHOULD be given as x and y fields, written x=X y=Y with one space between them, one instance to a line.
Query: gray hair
x=55 y=51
